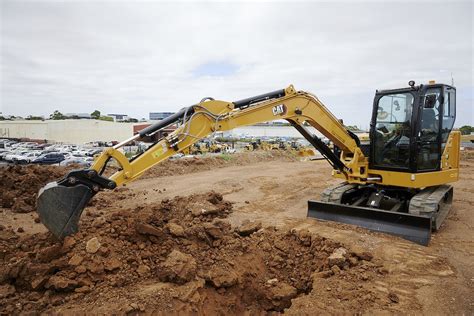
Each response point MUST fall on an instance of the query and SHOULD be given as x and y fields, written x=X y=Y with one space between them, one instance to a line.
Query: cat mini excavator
x=397 y=184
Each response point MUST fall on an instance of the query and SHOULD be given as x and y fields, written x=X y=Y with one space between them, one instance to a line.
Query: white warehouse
x=67 y=131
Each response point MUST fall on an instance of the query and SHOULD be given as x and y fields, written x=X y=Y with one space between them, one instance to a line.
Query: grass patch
x=226 y=157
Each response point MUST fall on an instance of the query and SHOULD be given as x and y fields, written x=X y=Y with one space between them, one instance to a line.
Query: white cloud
x=138 y=57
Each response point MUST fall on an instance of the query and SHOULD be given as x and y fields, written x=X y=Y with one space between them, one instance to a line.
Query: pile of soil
x=203 y=163
x=180 y=255
x=19 y=185
x=467 y=154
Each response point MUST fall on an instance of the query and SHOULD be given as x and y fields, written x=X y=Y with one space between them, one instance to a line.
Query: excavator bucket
x=60 y=207
x=415 y=228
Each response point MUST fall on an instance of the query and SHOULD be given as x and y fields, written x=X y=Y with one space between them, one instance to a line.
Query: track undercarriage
x=409 y=213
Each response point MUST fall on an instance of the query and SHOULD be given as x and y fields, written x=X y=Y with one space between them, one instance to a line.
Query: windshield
x=392 y=130
x=395 y=108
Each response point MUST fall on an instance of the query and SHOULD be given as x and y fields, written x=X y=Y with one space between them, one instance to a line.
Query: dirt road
x=438 y=279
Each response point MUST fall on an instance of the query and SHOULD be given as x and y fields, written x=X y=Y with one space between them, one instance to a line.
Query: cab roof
x=414 y=88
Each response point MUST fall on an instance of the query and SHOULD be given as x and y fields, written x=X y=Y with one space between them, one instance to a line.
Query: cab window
x=428 y=146
x=449 y=114
x=392 y=130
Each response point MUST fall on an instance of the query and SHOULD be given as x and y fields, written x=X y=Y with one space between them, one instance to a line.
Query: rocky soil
x=180 y=255
x=19 y=185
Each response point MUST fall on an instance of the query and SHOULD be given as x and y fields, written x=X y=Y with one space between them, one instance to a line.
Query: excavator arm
x=210 y=116
x=60 y=203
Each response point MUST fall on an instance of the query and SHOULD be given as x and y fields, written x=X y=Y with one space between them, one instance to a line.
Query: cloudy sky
x=134 y=57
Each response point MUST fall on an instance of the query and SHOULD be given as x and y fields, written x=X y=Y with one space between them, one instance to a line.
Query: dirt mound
x=177 y=256
x=19 y=185
x=467 y=154
x=202 y=163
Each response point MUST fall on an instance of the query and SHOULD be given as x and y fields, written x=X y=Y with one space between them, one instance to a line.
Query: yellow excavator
x=398 y=183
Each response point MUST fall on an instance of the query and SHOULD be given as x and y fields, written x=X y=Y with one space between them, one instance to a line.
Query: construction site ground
x=229 y=235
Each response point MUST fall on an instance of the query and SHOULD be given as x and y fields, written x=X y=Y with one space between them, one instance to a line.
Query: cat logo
x=279 y=109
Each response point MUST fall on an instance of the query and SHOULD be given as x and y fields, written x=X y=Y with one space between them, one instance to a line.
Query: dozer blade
x=60 y=207
x=415 y=228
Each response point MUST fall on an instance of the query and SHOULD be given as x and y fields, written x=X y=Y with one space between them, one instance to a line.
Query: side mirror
x=430 y=101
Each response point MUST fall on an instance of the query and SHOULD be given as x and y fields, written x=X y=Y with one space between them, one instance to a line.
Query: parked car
x=27 y=158
x=67 y=155
x=42 y=146
x=3 y=154
x=13 y=155
x=89 y=160
x=93 y=152
x=78 y=153
x=75 y=161
x=49 y=159
x=176 y=156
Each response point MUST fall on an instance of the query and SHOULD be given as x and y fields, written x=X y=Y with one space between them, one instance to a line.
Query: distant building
x=156 y=136
x=156 y=116
x=67 y=131
x=119 y=117
x=78 y=115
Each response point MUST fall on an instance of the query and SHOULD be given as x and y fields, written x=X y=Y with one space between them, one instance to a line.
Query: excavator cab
x=410 y=127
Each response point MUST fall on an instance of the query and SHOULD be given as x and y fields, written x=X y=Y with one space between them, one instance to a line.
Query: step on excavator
x=398 y=183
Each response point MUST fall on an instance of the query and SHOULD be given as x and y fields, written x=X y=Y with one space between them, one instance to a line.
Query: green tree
x=352 y=127
x=34 y=118
x=57 y=116
x=466 y=129
x=95 y=115
x=106 y=118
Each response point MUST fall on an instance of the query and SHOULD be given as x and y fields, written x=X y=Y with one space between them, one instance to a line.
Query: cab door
x=449 y=114
x=391 y=130
x=429 y=137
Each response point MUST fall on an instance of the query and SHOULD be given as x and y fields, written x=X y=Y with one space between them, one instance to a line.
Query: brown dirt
x=467 y=154
x=152 y=252
x=19 y=185
x=209 y=162
x=184 y=257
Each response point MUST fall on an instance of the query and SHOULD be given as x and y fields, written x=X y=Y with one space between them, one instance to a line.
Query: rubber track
x=334 y=194
x=430 y=202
